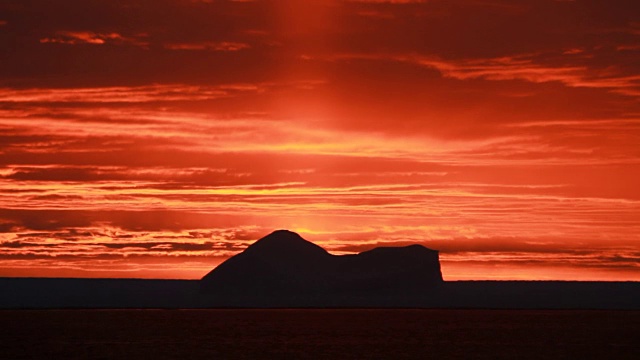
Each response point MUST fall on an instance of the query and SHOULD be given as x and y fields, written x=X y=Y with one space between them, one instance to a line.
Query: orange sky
x=157 y=138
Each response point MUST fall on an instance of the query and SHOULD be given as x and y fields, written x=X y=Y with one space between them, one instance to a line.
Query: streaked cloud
x=522 y=67
x=92 y=38
x=136 y=94
x=210 y=46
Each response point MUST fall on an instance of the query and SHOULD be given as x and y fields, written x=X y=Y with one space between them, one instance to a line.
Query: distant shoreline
x=109 y=293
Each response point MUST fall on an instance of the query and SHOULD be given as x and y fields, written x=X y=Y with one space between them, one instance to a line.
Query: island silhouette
x=283 y=266
x=283 y=270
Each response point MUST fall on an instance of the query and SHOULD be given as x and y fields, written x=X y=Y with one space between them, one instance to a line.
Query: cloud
x=208 y=46
x=522 y=67
x=506 y=68
x=92 y=38
x=116 y=94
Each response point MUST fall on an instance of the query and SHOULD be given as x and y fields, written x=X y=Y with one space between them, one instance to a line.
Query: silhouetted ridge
x=285 y=243
x=411 y=250
x=283 y=266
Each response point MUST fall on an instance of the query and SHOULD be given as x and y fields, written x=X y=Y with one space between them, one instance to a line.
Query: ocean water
x=319 y=334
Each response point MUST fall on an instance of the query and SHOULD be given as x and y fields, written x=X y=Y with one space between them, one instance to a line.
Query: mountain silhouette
x=283 y=270
x=284 y=267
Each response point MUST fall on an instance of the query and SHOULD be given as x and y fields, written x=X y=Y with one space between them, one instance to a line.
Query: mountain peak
x=282 y=234
x=283 y=242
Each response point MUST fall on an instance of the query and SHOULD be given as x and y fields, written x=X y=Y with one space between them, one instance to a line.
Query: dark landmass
x=61 y=293
x=283 y=267
x=52 y=293
x=282 y=270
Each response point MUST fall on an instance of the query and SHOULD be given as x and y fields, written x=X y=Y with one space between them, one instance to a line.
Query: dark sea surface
x=321 y=333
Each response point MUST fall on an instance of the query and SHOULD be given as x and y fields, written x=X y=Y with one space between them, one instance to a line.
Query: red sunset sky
x=157 y=138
